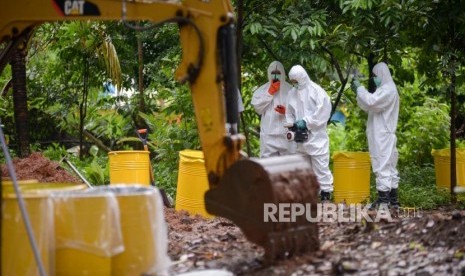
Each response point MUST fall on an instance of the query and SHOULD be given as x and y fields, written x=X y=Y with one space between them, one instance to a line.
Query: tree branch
x=96 y=141
x=268 y=48
x=335 y=63
x=343 y=80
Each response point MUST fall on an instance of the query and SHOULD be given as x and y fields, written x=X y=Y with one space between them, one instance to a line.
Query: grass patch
x=417 y=188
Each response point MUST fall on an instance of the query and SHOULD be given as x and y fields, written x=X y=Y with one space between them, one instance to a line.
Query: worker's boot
x=393 y=199
x=382 y=200
x=325 y=197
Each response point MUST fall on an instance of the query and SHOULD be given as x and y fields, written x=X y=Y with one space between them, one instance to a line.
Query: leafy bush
x=355 y=126
x=173 y=129
x=418 y=188
x=337 y=137
x=426 y=129
x=55 y=152
x=250 y=82
x=94 y=168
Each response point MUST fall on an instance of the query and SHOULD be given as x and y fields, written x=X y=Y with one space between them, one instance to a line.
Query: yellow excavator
x=239 y=186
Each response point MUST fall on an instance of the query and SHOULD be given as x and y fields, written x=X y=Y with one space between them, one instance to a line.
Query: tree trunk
x=83 y=108
x=240 y=19
x=342 y=79
x=452 y=72
x=140 y=57
x=21 y=113
x=453 y=113
x=371 y=64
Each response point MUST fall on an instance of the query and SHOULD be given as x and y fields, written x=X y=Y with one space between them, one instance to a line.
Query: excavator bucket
x=250 y=184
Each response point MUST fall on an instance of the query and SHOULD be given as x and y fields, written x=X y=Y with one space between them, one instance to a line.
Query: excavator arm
x=239 y=186
x=200 y=24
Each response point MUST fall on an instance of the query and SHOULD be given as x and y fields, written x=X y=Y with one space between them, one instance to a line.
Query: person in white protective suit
x=309 y=108
x=270 y=101
x=383 y=111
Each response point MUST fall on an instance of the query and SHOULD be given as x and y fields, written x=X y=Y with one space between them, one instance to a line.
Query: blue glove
x=355 y=84
x=301 y=124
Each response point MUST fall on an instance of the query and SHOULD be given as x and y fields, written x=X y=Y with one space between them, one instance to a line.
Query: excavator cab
x=240 y=188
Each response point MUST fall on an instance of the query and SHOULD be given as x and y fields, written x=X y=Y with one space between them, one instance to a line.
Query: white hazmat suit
x=272 y=132
x=309 y=102
x=383 y=111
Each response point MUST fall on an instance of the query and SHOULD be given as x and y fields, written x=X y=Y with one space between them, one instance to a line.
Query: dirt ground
x=427 y=243
x=422 y=243
x=40 y=168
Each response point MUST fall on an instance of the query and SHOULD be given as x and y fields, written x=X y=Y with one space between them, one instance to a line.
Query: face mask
x=377 y=81
x=276 y=74
x=276 y=77
x=295 y=85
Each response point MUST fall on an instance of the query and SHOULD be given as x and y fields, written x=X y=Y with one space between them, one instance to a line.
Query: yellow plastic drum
x=7 y=184
x=17 y=255
x=192 y=183
x=88 y=234
x=129 y=167
x=8 y=181
x=34 y=186
x=144 y=231
x=351 y=177
x=442 y=167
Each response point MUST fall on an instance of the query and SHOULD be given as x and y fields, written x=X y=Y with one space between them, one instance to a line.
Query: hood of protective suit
x=272 y=131
x=276 y=65
x=299 y=74
x=313 y=105
x=381 y=70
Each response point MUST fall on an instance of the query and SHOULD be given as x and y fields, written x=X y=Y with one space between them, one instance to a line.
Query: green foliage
x=418 y=189
x=337 y=138
x=355 y=124
x=109 y=125
x=93 y=168
x=172 y=130
x=6 y=108
x=426 y=128
x=95 y=173
x=55 y=152
x=356 y=4
x=250 y=82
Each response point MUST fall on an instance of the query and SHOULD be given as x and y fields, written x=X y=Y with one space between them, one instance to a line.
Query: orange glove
x=281 y=109
x=274 y=87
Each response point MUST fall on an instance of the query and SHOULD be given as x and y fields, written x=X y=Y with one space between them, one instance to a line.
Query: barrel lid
x=198 y=154
x=127 y=190
x=357 y=155
x=460 y=153
x=42 y=188
x=127 y=152
x=8 y=181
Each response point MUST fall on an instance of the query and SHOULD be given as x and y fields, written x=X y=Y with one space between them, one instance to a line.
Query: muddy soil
x=40 y=168
x=426 y=243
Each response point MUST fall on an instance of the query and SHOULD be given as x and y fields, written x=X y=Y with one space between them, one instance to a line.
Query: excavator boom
x=239 y=187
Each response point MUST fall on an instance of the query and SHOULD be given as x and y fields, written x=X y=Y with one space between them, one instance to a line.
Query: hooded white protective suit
x=272 y=131
x=383 y=111
x=312 y=104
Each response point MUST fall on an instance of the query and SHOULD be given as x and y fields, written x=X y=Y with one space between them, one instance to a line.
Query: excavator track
x=251 y=183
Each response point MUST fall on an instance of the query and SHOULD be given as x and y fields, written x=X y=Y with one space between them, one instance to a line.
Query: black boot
x=383 y=199
x=393 y=199
x=325 y=196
